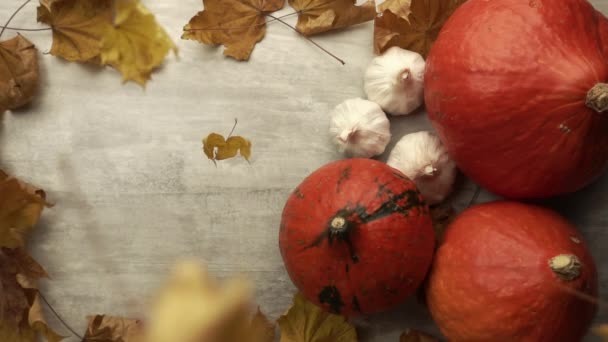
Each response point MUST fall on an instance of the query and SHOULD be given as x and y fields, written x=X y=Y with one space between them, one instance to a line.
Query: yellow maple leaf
x=20 y=208
x=21 y=318
x=104 y=328
x=135 y=44
x=316 y=16
x=78 y=27
x=18 y=72
x=305 y=322
x=237 y=24
x=194 y=307
x=416 y=32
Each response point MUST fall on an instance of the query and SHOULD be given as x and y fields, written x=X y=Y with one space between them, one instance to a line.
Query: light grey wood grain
x=134 y=192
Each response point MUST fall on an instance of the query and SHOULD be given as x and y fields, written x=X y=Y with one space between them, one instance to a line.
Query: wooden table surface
x=134 y=192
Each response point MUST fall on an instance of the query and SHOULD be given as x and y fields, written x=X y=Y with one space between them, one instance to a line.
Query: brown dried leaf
x=20 y=208
x=304 y=321
x=78 y=27
x=237 y=24
x=316 y=16
x=417 y=32
x=416 y=336
x=18 y=72
x=442 y=216
x=401 y=8
x=217 y=148
x=19 y=298
x=104 y=328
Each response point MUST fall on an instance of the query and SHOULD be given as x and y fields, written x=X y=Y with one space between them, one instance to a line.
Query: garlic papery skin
x=395 y=81
x=360 y=128
x=422 y=158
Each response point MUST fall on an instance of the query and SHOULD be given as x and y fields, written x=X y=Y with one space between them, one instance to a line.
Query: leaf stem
x=26 y=29
x=59 y=317
x=475 y=195
x=307 y=38
x=242 y=27
x=233 y=127
x=12 y=16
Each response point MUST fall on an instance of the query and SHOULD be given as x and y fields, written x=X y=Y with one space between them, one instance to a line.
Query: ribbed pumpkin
x=512 y=272
x=516 y=91
x=356 y=237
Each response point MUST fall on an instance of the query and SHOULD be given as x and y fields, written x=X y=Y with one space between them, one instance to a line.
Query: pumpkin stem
x=566 y=266
x=338 y=225
x=597 y=97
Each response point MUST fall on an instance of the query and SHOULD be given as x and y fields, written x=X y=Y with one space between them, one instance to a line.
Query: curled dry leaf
x=416 y=336
x=123 y=34
x=102 y=328
x=20 y=207
x=18 y=72
x=21 y=318
x=237 y=24
x=418 y=30
x=305 y=322
x=316 y=16
x=218 y=148
x=194 y=307
x=135 y=44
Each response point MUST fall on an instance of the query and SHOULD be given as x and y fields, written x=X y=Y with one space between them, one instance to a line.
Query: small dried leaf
x=316 y=16
x=442 y=216
x=416 y=336
x=401 y=8
x=237 y=24
x=104 y=328
x=306 y=322
x=18 y=72
x=20 y=208
x=19 y=298
x=78 y=27
x=217 y=148
x=193 y=307
x=135 y=44
x=418 y=31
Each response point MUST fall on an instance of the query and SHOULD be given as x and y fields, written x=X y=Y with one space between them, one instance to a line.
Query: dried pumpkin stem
x=338 y=224
x=566 y=266
x=597 y=97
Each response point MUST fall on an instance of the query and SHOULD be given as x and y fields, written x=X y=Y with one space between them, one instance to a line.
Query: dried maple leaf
x=135 y=44
x=21 y=318
x=78 y=27
x=193 y=307
x=236 y=24
x=20 y=208
x=104 y=328
x=418 y=31
x=442 y=216
x=306 y=322
x=400 y=8
x=316 y=16
x=416 y=336
x=18 y=72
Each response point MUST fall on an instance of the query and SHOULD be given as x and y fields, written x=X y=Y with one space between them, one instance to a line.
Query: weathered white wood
x=134 y=192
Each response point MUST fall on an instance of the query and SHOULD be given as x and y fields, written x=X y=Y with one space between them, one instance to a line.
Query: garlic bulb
x=422 y=157
x=395 y=81
x=360 y=128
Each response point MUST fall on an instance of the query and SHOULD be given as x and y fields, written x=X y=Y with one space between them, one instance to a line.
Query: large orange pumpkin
x=512 y=272
x=356 y=237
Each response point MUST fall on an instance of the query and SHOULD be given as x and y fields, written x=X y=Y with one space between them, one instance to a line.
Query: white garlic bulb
x=395 y=81
x=360 y=128
x=422 y=158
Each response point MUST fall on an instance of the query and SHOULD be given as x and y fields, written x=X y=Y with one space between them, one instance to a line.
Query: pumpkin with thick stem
x=356 y=237
x=512 y=272
x=517 y=92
